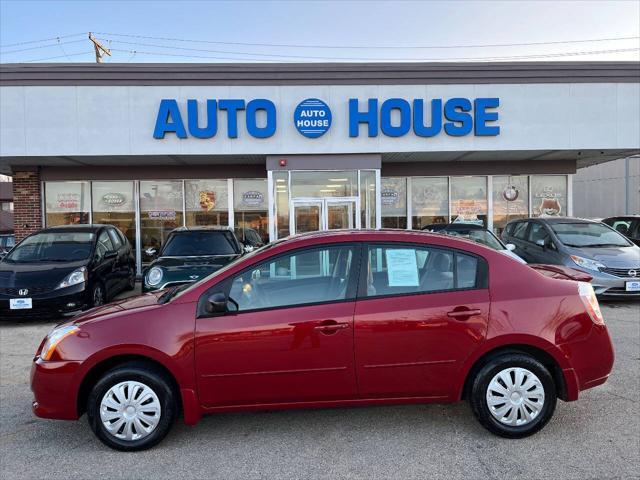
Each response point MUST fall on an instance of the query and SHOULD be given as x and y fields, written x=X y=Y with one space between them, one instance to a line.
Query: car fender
x=512 y=340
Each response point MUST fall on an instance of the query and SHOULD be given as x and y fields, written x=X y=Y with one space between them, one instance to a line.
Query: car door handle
x=330 y=326
x=464 y=313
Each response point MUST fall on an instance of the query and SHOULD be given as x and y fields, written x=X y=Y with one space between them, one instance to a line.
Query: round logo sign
x=113 y=199
x=510 y=193
x=312 y=117
x=252 y=198
x=388 y=196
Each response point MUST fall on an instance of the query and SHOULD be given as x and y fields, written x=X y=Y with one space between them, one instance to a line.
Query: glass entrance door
x=312 y=215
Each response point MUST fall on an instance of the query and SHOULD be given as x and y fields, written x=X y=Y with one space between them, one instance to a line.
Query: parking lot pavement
x=597 y=437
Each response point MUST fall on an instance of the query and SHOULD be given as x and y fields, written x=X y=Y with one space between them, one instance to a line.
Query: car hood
x=31 y=275
x=128 y=305
x=612 y=257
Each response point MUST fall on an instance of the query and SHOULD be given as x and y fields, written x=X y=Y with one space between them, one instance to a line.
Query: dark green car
x=189 y=254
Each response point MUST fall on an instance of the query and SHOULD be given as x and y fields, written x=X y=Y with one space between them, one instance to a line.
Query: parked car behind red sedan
x=330 y=319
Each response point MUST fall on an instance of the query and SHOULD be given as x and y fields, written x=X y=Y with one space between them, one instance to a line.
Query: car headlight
x=586 y=263
x=54 y=338
x=74 y=278
x=154 y=276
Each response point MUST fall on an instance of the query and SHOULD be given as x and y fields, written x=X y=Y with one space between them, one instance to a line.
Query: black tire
x=98 y=292
x=151 y=377
x=131 y=281
x=478 y=395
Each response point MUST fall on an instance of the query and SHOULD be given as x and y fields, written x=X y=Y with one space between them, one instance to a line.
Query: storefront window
x=394 y=202
x=324 y=184
x=510 y=200
x=114 y=204
x=206 y=202
x=67 y=203
x=549 y=195
x=429 y=201
x=281 y=196
x=469 y=200
x=368 y=198
x=160 y=212
x=250 y=206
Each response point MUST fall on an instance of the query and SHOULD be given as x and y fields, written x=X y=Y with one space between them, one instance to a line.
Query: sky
x=301 y=31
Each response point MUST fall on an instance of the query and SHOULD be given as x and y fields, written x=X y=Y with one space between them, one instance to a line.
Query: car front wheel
x=513 y=395
x=132 y=407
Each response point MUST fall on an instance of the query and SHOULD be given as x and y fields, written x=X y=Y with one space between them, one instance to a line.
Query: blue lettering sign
x=212 y=119
x=455 y=109
x=312 y=117
x=370 y=117
x=232 y=107
x=480 y=106
x=169 y=111
x=252 y=122
x=419 y=128
x=404 y=109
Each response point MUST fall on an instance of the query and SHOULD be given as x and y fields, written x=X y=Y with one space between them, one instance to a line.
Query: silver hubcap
x=515 y=396
x=130 y=410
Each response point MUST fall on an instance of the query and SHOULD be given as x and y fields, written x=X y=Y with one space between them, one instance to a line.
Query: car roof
x=554 y=220
x=205 y=228
x=622 y=217
x=459 y=226
x=76 y=227
x=382 y=235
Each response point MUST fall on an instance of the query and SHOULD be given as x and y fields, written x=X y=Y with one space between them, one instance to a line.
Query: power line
x=289 y=45
x=516 y=57
x=42 y=46
x=301 y=57
x=40 y=41
x=59 y=56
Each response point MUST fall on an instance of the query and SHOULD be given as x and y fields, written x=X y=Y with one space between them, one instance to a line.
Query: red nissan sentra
x=330 y=319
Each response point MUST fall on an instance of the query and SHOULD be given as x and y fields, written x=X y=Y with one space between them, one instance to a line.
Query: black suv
x=62 y=270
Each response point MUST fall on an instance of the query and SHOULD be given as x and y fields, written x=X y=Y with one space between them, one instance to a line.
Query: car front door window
x=305 y=277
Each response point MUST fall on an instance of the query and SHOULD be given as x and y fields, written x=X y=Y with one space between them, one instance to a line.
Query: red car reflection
x=331 y=319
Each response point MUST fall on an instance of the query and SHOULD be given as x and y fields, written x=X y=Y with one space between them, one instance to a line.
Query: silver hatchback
x=595 y=248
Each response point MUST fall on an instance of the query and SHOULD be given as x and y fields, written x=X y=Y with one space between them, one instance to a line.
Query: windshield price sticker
x=402 y=268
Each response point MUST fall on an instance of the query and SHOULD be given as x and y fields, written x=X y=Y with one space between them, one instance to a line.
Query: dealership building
x=290 y=148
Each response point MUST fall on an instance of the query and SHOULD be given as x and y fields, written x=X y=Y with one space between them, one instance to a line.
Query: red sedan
x=331 y=319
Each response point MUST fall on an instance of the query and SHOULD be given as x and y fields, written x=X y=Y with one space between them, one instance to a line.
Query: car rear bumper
x=53 y=387
x=591 y=361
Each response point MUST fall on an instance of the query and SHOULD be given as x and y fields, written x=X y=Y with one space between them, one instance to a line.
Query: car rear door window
x=402 y=269
x=304 y=277
x=537 y=232
x=115 y=239
x=103 y=245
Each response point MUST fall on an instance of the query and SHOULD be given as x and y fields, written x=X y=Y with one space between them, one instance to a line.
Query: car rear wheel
x=132 y=407
x=513 y=395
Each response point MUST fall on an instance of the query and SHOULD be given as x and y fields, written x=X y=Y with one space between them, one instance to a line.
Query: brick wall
x=27 y=204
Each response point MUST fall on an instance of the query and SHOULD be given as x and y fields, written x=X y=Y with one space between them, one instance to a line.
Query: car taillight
x=588 y=297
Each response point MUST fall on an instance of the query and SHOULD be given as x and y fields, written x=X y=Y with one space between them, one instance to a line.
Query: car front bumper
x=53 y=387
x=55 y=303
x=608 y=285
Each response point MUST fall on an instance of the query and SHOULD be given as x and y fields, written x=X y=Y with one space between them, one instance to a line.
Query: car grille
x=623 y=272
x=621 y=292
x=32 y=290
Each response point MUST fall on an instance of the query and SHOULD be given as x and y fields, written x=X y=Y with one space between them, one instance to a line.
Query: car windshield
x=484 y=237
x=53 y=247
x=187 y=244
x=588 y=235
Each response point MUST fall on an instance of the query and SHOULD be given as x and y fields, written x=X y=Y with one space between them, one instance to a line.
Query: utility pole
x=99 y=48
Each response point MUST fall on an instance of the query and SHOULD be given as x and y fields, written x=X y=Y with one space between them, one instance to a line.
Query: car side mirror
x=216 y=303
x=510 y=246
x=543 y=243
x=151 y=252
x=248 y=248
